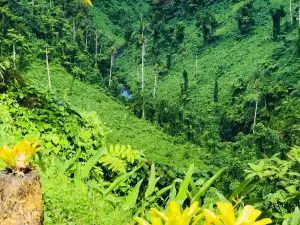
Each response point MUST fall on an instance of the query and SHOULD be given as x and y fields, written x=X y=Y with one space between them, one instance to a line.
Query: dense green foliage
x=220 y=89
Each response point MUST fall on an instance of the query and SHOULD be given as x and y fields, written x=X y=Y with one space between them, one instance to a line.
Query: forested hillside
x=142 y=103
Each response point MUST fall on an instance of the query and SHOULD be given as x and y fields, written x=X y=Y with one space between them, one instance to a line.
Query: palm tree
x=155 y=79
x=143 y=30
x=48 y=70
x=291 y=13
x=3 y=68
x=299 y=14
x=112 y=60
x=143 y=42
x=97 y=35
x=196 y=67
x=257 y=83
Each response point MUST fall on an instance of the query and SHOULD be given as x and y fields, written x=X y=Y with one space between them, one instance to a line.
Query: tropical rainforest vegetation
x=186 y=105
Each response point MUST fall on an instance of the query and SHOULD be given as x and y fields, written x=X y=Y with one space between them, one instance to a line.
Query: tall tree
x=74 y=31
x=277 y=13
x=143 y=29
x=155 y=80
x=196 y=67
x=208 y=23
x=14 y=56
x=96 y=44
x=216 y=90
x=244 y=17
x=112 y=60
x=257 y=85
x=256 y=81
x=291 y=12
x=185 y=84
x=87 y=33
x=299 y=14
x=143 y=42
x=48 y=70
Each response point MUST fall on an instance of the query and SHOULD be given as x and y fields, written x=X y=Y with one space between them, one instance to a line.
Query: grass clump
x=65 y=204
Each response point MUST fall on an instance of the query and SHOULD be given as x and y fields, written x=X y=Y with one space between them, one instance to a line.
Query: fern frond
x=124 y=152
x=114 y=163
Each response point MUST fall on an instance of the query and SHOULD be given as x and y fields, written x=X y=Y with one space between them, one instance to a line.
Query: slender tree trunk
x=32 y=2
x=256 y=107
x=143 y=109
x=74 y=31
x=143 y=84
x=3 y=81
x=14 y=56
x=143 y=58
x=86 y=39
x=291 y=12
x=196 y=72
x=48 y=70
x=111 y=66
x=155 y=81
x=100 y=50
x=96 y=47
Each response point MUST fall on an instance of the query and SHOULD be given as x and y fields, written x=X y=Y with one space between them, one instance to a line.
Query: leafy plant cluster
x=194 y=215
x=75 y=146
x=117 y=173
x=239 y=122
x=17 y=158
x=278 y=176
x=63 y=30
x=223 y=121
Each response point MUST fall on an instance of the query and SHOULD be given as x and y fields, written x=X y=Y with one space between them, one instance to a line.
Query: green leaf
x=200 y=182
x=295 y=217
x=161 y=192
x=257 y=168
x=152 y=182
x=57 y=149
x=250 y=188
x=77 y=178
x=253 y=201
x=292 y=189
x=183 y=189
x=207 y=184
x=118 y=181
x=132 y=197
x=172 y=194
x=91 y=162
x=240 y=188
x=194 y=188
x=221 y=197
x=55 y=139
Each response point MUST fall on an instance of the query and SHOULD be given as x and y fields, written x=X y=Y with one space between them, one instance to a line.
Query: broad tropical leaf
x=152 y=182
x=132 y=197
x=183 y=189
x=207 y=184
x=118 y=181
x=92 y=161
